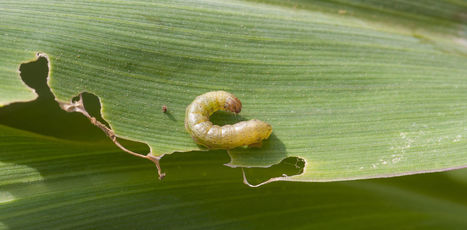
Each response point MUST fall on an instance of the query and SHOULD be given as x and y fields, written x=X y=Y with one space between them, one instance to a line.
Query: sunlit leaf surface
x=355 y=89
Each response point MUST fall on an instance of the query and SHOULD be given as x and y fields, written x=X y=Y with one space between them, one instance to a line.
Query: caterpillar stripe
x=205 y=133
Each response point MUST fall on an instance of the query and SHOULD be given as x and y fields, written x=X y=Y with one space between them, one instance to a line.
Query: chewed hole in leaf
x=34 y=75
x=93 y=107
x=43 y=115
x=290 y=166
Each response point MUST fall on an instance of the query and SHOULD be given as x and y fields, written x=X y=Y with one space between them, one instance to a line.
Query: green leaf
x=353 y=96
x=49 y=183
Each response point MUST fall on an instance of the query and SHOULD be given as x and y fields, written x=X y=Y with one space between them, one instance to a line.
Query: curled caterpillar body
x=205 y=133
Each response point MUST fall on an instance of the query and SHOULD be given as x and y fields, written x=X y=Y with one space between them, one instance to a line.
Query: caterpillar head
x=233 y=104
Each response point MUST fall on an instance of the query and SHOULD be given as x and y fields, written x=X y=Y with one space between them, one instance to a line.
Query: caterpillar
x=212 y=136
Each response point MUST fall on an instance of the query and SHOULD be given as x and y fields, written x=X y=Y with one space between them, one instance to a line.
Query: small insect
x=203 y=132
x=164 y=109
